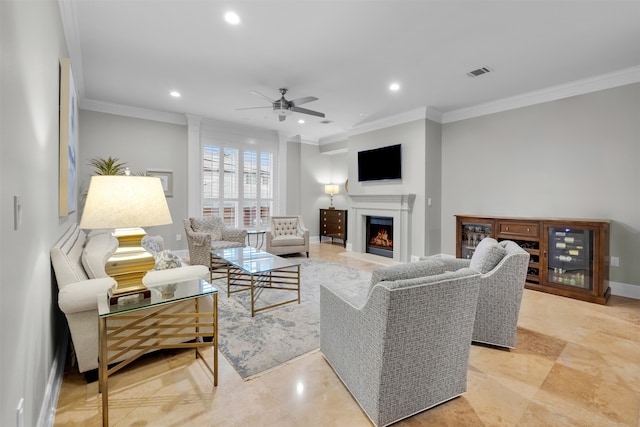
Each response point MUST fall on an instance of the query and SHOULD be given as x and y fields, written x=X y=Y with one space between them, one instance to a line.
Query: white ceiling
x=346 y=53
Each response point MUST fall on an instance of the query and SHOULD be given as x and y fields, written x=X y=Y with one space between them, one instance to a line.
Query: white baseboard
x=183 y=253
x=50 y=400
x=625 y=290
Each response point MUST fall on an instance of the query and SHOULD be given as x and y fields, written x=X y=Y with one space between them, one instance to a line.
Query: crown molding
x=137 y=112
x=398 y=119
x=578 y=87
x=339 y=137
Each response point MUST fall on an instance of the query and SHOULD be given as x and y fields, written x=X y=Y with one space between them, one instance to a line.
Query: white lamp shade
x=331 y=189
x=116 y=201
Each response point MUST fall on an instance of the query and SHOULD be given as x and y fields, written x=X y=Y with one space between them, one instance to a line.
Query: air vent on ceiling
x=479 y=72
x=326 y=122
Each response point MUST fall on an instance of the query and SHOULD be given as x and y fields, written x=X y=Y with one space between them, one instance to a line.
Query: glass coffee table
x=250 y=269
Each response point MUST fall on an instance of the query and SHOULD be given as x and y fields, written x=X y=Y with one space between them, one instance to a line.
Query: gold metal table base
x=285 y=279
x=165 y=326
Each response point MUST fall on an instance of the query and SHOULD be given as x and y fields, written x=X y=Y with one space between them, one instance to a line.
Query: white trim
x=182 y=253
x=137 y=112
x=338 y=137
x=578 y=87
x=397 y=119
x=336 y=151
x=47 y=414
x=625 y=290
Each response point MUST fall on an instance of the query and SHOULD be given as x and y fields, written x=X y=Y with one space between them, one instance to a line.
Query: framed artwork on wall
x=166 y=177
x=67 y=177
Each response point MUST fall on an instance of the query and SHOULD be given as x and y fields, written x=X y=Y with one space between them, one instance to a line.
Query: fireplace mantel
x=397 y=206
x=401 y=201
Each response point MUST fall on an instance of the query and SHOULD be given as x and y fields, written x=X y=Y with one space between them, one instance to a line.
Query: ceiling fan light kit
x=283 y=107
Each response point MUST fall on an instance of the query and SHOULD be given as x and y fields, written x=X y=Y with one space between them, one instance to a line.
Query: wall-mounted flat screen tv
x=380 y=163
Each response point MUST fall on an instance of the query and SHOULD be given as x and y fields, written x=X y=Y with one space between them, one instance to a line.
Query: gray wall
x=292 y=183
x=433 y=187
x=576 y=157
x=31 y=45
x=142 y=144
x=315 y=172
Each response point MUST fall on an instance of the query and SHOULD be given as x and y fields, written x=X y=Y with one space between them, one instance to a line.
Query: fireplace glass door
x=379 y=236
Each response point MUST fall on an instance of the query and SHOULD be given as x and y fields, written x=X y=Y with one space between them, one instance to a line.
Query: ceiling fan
x=283 y=107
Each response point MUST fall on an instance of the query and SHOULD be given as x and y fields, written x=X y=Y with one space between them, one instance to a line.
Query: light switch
x=17 y=212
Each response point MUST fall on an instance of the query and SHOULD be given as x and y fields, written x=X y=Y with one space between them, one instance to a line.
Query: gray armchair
x=503 y=267
x=207 y=234
x=287 y=235
x=401 y=344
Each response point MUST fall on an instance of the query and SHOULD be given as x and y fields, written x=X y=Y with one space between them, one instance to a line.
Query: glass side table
x=259 y=234
x=173 y=314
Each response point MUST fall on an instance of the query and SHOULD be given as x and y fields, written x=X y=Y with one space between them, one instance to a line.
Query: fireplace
x=399 y=207
x=379 y=236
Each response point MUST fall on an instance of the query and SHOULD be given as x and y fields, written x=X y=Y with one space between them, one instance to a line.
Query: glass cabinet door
x=570 y=257
x=472 y=233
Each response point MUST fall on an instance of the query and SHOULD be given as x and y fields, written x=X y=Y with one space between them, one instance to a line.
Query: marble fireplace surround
x=397 y=206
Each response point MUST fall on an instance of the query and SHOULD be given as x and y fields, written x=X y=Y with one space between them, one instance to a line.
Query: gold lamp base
x=128 y=265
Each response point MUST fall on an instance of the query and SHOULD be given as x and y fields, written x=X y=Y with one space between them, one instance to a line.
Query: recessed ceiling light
x=301 y=121
x=394 y=87
x=232 y=18
x=175 y=94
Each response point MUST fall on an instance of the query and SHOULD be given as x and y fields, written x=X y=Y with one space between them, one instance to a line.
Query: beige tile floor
x=576 y=364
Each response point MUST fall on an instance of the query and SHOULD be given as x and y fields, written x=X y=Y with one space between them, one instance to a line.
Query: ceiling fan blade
x=305 y=111
x=264 y=96
x=250 y=108
x=304 y=100
x=282 y=117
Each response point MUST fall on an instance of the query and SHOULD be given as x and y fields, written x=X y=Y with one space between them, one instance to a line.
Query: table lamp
x=331 y=189
x=126 y=204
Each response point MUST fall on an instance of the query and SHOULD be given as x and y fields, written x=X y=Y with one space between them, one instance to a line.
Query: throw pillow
x=487 y=255
x=150 y=244
x=166 y=260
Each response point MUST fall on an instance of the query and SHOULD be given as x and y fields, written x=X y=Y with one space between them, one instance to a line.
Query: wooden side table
x=172 y=315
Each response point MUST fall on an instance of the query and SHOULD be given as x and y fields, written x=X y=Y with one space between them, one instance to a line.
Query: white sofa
x=78 y=261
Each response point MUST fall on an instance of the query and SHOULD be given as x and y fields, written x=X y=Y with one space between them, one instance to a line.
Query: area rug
x=253 y=345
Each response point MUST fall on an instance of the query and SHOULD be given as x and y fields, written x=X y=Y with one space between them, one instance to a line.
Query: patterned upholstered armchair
x=209 y=233
x=503 y=267
x=401 y=343
x=287 y=235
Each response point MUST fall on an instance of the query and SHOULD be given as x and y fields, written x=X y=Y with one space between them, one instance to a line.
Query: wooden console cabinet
x=333 y=223
x=569 y=257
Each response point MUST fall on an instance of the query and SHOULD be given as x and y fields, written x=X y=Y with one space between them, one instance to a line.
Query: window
x=237 y=185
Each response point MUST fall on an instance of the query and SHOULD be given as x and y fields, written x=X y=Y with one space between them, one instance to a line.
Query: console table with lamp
x=333 y=222
x=128 y=203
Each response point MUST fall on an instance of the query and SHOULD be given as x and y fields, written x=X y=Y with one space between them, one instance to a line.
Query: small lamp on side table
x=126 y=203
x=331 y=189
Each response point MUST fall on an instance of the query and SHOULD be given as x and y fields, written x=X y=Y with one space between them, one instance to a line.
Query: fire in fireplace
x=379 y=236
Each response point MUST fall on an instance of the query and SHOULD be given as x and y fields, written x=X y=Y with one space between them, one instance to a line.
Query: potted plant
x=108 y=166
